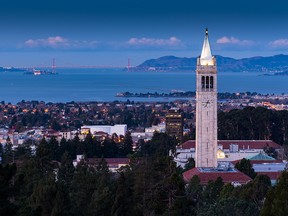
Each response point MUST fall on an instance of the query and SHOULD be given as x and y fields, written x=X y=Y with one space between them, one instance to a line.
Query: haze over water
x=104 y=84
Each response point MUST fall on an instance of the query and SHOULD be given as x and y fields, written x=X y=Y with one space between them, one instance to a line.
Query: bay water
x=103 y=84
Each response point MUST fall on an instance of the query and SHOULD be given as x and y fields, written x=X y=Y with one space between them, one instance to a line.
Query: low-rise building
x=228 y=150
x=119 y=129
x=113 y=163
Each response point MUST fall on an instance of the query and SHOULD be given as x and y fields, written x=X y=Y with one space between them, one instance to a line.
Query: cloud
x=235 y=41
x=59 y=42
x=280 y=43
x=54 y=42
x=152 y=42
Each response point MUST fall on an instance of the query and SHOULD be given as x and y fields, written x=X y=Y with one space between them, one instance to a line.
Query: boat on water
x=43 y=72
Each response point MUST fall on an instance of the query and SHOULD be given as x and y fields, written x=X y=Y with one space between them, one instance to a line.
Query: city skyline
x=108 y=33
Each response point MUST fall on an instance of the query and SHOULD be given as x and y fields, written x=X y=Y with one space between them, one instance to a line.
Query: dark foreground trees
x=253 y=123
x=45 y=184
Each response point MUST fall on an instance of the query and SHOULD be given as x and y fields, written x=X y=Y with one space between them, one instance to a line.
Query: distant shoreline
x=189 y=94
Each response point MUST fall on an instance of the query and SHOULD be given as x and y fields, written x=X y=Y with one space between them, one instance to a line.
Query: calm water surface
x=104 y=84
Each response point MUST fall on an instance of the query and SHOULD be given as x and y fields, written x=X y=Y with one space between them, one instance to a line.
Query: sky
x=108 y=32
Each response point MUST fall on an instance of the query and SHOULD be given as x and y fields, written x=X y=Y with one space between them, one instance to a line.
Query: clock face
x=206 y=103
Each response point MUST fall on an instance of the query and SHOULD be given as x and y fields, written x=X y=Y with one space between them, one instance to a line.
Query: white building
x=160 y=128
x=227 y=150
x=118 y=129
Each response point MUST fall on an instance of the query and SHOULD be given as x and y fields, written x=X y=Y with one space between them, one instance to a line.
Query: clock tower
x=206 y=108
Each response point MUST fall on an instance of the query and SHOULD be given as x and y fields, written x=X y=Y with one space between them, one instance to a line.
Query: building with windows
x=174 y=123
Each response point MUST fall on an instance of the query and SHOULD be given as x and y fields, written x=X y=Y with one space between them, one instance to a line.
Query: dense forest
x=253 y=124
x=47 y=183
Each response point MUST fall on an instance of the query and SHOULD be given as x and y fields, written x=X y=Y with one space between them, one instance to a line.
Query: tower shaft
x=206 y=108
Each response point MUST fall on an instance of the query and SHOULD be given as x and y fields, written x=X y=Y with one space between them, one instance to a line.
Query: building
x=206 y=145
x=160 y=128
x=206 y=108
x=119 y=129
x=205 y=175
x=174 y=123
x=113 y=163
x=227 y=150
x=266 y=165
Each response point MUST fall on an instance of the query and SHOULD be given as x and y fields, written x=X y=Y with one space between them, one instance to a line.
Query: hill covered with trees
x=277 y=63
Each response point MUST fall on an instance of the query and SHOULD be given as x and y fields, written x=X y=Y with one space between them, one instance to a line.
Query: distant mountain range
x=271 y=64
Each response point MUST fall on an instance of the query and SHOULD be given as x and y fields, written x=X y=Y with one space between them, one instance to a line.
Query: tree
x=102 y=198
x=212 y=191
x=43 y=197
x=128 y=144
x=82 y=188
x=125 y=145
x=6 y=189
x=245 y=166
x=44 y=155
x=189 y=165
x=123 y=197
x=276 y=202
x=66 y=170
x=8 y=154
x=230 y=206
x=194 y=193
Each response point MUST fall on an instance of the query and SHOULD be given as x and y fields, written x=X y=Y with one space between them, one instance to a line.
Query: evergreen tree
x=82 y=188
x=7 y=173
x=230 y=206
x=189 y=165
x=245 y=166
x=62 y=203
x=123 y=198
x=194 y=193
x=42 y=200
x=128 y=144
x=8 y=152
x=212 y=191
x=102 y=198
x=66 y=170
x=276 y=202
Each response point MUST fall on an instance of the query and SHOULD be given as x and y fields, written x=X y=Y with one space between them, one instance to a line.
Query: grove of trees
x=47 y=183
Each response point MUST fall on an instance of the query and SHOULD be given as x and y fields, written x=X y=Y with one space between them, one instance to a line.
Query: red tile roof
x=243 y=144
x=227 y=176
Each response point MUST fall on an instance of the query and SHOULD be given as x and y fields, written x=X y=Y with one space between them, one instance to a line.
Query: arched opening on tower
x=207 y=82
x=203 y=82
x=211 y=82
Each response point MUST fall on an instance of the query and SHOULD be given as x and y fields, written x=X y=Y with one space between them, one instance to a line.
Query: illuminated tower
x=206 y=108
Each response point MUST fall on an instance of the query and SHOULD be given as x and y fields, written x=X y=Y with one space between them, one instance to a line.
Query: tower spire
x=206 y=56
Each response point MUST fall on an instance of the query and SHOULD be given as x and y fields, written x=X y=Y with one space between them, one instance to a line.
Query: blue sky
x=107 y=33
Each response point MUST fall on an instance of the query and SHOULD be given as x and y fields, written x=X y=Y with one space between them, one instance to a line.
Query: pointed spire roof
x=206 y=56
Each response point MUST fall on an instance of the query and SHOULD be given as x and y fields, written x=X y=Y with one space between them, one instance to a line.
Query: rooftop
x=242 y=144
x=207 y=174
